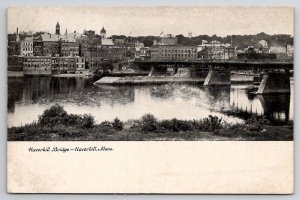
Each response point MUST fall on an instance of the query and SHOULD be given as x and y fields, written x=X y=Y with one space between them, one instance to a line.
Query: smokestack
x=17 y=30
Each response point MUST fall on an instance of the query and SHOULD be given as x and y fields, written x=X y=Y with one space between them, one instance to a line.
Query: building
x=46 y=44
x=280 y=50
x=168 y=40
x=37 y=65
x=26 y=46
x=204 y=54
x=263 y=46
x=290 y=50
x=107 y=41
x=57 y=29
x=13 y=44
x=174 y=53
x=138 y=46
x=145 y=53
x=119 y=41
x=107 y=54
x=68 y=45
x=103 y=33
x=15 y=63
x=215 y=50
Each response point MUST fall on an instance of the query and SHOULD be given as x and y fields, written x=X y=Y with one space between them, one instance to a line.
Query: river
x=28 y=97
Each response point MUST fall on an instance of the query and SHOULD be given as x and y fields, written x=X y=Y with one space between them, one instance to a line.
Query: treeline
x=240 y=41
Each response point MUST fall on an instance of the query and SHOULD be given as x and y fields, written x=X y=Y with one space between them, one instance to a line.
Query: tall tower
x=103 y=33
x=57 y=29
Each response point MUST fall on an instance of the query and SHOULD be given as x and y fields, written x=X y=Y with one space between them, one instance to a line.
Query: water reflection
x=276 y=108
x=29 y=97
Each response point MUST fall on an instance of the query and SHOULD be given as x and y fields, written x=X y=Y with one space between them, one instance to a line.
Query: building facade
x=174 y=53
x=37 y=65
x=168 y=40
x=26 y=46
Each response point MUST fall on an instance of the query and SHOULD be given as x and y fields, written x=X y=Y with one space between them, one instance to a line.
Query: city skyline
x=221 y=21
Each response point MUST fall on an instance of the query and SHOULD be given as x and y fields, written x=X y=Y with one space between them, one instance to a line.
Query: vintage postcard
x=167 y=100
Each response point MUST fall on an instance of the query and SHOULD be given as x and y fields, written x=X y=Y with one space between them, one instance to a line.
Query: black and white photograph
x=150 y=74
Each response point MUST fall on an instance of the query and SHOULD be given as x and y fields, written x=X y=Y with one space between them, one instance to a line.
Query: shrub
x=176 y=125
x=74 y=119
x=106 y=127
x=88 y=121
x=53 y=116
x=149 y=123
x=117 y=124
x=210 y=123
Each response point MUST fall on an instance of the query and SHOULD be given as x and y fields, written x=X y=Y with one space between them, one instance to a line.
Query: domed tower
x=103 y=33
x=57 y=29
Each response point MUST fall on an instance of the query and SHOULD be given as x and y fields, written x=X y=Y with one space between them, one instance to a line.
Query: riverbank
x=55 y=124
x=99 y=133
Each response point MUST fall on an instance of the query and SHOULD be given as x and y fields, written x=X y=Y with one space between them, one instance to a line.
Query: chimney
x=17 y=30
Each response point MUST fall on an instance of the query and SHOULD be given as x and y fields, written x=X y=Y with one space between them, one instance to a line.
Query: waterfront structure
x=26 y=46
x=37 y=65
x=105 y=54
x=15 y=63
x=68 y=64
x=168 y=40
x=174 y=52
x=46 y=65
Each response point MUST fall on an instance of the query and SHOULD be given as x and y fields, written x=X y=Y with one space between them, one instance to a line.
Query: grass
x=55 y=124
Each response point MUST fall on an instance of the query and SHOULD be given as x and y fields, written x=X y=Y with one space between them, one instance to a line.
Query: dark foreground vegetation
x=55 y=124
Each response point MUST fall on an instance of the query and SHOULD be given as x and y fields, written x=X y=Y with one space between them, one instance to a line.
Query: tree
x=89 y=33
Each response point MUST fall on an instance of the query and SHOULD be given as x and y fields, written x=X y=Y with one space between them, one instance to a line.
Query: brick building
x=174 y=53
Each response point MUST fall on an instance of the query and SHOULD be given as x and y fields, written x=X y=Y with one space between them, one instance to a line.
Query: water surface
x=28 y=97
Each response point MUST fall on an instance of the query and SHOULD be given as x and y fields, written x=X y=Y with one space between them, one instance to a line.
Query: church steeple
x=103 y=33
x=66 y=34
x=57 y=29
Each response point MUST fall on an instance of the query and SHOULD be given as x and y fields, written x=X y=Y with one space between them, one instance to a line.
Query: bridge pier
x=274 y=82
x=151 y=71
x=217 y=77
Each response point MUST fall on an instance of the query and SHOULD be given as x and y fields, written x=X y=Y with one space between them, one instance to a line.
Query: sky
x=142 y=21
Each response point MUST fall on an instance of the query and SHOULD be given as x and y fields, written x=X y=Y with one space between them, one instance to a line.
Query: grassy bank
x=55 y=124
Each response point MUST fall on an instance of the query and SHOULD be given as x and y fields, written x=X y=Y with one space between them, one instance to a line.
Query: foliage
x=56 y=115
x=210 y=123
x=53 y=116
x=149 y=123
x=88 y=121
x=175 y=125
x=117 y=124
